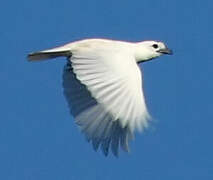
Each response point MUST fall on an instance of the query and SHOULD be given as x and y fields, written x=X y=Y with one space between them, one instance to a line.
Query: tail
x=49 y=54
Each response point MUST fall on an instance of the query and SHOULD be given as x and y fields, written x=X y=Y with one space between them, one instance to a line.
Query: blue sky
x=38 y=137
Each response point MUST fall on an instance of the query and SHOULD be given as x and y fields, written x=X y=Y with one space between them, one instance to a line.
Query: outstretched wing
x=104 y=91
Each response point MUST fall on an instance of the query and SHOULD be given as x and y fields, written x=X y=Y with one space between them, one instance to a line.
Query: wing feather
x=104 y=93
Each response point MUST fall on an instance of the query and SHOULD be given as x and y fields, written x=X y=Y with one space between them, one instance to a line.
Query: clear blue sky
x=38 y=137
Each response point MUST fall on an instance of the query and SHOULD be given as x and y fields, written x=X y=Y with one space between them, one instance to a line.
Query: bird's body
x=103 y=86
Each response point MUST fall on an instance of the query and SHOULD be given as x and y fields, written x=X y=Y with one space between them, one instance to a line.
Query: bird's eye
x=155 y=46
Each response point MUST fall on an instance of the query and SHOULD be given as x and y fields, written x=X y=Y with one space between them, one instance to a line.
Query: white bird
x=103 y=86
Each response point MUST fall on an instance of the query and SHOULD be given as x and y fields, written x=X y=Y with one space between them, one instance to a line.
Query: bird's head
x=148 y=50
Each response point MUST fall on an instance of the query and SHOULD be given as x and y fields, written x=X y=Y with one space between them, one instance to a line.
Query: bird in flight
x=103 y=86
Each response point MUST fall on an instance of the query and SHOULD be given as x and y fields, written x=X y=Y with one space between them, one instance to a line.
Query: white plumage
x=103 y=86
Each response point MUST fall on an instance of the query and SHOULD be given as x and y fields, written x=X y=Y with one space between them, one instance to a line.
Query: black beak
x=165 y=51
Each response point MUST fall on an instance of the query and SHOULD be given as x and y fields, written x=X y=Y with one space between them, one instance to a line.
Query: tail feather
x=50 y=53
x=42 y=55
